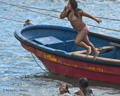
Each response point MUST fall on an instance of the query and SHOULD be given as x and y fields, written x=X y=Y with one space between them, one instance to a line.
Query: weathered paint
x=75 y=68
x=51 y=58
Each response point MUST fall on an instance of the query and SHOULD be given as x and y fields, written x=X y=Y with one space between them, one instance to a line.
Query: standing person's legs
x=81 y=35
x=86 y=41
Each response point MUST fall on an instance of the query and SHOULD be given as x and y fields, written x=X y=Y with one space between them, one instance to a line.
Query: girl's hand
x=98 y=20
x=66 y=8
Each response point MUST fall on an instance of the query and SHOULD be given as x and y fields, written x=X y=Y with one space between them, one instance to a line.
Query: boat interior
x=106 y=50
x=63 y=39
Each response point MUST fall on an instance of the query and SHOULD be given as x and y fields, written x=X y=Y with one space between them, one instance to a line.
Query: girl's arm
x=90 y=16
x=64 y=13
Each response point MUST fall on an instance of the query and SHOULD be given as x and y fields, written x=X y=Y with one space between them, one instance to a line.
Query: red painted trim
x=74 y=68
x=77 y=72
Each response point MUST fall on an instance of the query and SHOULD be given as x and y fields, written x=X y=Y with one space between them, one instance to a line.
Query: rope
x=38 y=64
x=11 y=19
x=60 y=12
x=53 y=10
x=109 y=18
x=28 y=9
x=54 y=16
x=104 y=28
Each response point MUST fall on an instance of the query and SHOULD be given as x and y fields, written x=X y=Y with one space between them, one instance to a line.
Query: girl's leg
x=86 y=40
x=81 y=35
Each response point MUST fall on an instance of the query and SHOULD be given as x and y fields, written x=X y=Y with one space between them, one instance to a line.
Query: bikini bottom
x=85 y=28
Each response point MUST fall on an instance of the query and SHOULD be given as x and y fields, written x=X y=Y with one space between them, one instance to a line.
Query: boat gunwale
x=26 y=41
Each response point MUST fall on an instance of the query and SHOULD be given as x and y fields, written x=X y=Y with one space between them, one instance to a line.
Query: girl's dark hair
x=74 y=5
x=83 y=82
x=67 y=89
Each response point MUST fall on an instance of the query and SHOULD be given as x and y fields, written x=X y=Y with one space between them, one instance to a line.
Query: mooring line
x=28 y=9
x=53 y=10
x=60 y=12
x=55 y=16
x=38 y=64
x=104 y=28
x=11 y=19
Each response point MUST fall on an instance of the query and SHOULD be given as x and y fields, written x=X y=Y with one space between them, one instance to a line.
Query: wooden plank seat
x=99 y=49
x=80 y=54
x=114 y=44
x=97 y=58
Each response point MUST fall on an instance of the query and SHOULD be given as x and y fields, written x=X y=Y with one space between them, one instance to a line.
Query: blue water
x=19 y=73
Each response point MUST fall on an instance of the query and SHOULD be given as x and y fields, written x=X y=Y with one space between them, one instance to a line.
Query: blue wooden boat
x=54 y=46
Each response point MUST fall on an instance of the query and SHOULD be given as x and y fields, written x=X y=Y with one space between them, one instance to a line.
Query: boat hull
x=76 y=68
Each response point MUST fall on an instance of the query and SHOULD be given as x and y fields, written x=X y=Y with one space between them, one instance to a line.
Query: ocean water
x=19 y=73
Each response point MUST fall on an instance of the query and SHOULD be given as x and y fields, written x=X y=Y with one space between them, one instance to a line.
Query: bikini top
x=74 y=18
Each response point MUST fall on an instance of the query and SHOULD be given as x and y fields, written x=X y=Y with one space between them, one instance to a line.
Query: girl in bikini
x=74 y=15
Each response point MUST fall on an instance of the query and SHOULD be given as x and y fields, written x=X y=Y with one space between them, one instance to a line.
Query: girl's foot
x=95 y=55
x=88 y=50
